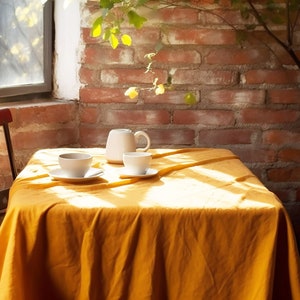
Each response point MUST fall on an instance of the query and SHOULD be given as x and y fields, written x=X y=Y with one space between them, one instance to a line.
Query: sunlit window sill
x=36 y=102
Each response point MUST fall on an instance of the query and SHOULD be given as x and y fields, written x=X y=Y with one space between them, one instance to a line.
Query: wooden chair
x=5 y=119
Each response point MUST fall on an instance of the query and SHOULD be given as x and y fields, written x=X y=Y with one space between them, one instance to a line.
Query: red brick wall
x=247 y=101
x=36 y=125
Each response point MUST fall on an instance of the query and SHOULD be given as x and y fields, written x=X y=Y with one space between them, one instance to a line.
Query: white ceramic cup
x=75 y=164
x=136 y=163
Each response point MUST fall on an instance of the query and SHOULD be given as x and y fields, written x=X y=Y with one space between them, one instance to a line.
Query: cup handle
x=139 y=134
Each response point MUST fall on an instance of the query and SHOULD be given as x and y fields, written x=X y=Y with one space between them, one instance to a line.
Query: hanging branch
x=287 y=47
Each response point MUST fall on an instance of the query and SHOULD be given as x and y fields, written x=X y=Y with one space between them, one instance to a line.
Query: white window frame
x=46 y=86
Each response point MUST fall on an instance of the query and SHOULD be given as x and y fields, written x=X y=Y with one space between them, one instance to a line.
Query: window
x=25 y=47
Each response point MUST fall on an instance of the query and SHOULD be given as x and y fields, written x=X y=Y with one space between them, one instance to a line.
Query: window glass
x=25 y=36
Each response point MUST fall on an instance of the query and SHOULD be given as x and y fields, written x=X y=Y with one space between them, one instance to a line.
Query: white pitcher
x=124 y=140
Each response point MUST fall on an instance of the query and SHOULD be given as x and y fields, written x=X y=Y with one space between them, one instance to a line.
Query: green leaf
x=141 y=2
x=106 y=34
x=114 y=42
x=135 y=19
x=97 y=27
x=106 y=4
x=190 y=98
x=126 y=40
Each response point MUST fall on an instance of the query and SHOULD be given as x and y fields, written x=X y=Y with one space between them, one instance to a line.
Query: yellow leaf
x=97 y=27
x=131 y=92
x=126 y=40
x=96 y=31
x=113 y=41
x=160 y=89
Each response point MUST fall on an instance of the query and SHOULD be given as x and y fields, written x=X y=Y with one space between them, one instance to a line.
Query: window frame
x=46 y=86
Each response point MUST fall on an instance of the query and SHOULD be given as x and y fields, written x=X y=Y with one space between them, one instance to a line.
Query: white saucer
x=150 y=172
x=91 y=174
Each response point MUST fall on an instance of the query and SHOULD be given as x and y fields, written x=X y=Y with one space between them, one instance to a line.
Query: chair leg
x=3 y=201
x=10 y=151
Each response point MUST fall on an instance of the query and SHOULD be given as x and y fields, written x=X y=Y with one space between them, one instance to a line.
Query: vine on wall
x=113 y=15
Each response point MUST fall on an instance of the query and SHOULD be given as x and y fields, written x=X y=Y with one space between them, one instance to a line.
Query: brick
x=4 y=163
x=257 y=36
x=204 y=117
x=166 y=57
x=89 y=115
x=256 y=155
x=281 y=137
x=5 y=181
x=176 y=15
x=2 y=141
x=132 y=76
x=199 y=36
x=23 y=156
x=92 y=136
x=177 y=57
x=208 y=77
x=290 y=155
x=144 y=36
x=108 y=56
x=257 y=171
x=237 y=56
x=284 y=96
x=282 y=57
x=226 y=136
x=268 y=116
x=103 y=95
x=87 y=38
x=271 y=77
x=220 y=17
x=169 y=97
x=44 y=114
x=283 y=194
x=284 y=174
x=88 y=76
x=45 y=138
x=167 y=137
x=236 y=96
x=136 y=117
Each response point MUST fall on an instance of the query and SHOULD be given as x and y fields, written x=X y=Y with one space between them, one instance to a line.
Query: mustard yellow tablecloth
x=203 y=228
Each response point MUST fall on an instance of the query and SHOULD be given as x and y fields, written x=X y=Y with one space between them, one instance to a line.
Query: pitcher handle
x=139 y=134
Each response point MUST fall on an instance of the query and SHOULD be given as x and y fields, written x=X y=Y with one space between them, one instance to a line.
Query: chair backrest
x=5 y=119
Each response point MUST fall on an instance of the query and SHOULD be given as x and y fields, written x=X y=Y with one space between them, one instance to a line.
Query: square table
x=204 y=228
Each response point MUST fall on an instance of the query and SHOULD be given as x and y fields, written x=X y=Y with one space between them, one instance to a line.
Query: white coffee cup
x=136 y=163
x=75 y=164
